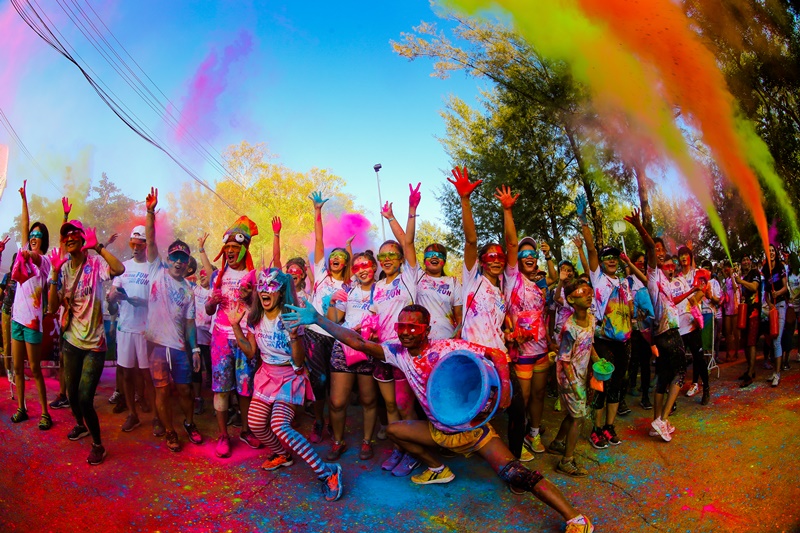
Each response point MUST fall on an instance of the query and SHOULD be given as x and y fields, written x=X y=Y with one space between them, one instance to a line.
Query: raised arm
x=647 y=240
x=409 y=250
x=591 y=250
x=578 y=242
x=397 y=230
x=504 y=196
x=25 y=219
x=276 y=242
x=307 y=316
x=634 y=270
x=204 y=260
x=67 y=207
x=115 y=266
x=56 y=262
x=319 y=244
x=552 y=275
x=150 y=225
x=464 y=187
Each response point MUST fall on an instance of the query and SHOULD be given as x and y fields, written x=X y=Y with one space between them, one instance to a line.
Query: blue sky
x=321 y=87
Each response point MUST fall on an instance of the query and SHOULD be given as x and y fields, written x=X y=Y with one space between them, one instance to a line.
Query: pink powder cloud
x=19 y=45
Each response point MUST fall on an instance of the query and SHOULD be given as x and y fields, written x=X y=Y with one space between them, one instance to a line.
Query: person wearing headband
x=171 y=330
x=231 y=371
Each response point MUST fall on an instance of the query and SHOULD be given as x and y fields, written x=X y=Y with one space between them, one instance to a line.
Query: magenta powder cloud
x=201 y=106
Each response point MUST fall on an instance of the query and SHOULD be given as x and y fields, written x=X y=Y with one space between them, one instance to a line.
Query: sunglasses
x=73 y=233
x=437 y=255
x=366 y=265
x=493 y=257
x=585 y=290
x=527 y=253
x=340 y=255
x=388 y=256
x=178 y=257
x=408 y=328
x=609 y=258
x=295 y=271
x=35 y=234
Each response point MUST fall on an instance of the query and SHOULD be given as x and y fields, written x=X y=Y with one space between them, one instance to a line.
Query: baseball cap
x=609 y=250
x=527 y=240
x=179 y=247
x=72 y=225
x=138 y=233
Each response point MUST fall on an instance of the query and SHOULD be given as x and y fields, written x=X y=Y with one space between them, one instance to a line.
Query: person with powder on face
x=329 y=277
x=416 y=355
x=485 y=304
x=76 y=284
x=231 y=370
x=395 y=289
x=30 y=270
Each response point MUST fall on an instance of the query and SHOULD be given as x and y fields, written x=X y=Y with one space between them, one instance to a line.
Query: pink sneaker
x=661 y=429
x=223 y=448
x=251 y=440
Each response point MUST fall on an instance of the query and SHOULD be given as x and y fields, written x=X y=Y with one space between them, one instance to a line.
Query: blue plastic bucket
x=602 y=376
x=463 y=390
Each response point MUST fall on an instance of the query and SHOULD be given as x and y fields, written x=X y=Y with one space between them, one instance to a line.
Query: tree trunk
x=644 y=196
x=597 y=221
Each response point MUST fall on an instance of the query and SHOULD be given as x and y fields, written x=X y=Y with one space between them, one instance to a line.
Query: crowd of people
x=273 y=342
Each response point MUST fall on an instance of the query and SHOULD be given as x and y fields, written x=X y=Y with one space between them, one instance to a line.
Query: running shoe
x=744 y=376
x=706 y=397
x=45 y=422
x=277 y=461
x=77 y=433
x=235 y=420
x=96 y=455
x=571 y=469
x=694 y=389
x=115 y=398
x=60 y=402
x=158 y=428
x=120 y=407
x=557 y=405
x=250 y=439
x=776 y=379
x=366 y=453
x=670 y=429
x=194 y=435
x=317 y=434
x=645 y=403
x=557 y=447
x=144 y=407
x=223 y=448
x=516 y=491
x=597 y=439
x=20 y=416
x=393 y=460
x=337 y=449
x=131 y=423
x=406 y=466
x=173 y=443
x=332 y=484
x=746 y=382
x=785 y=364
x=611 y=435
x=583 y=525
x=381 y=432
x=623 y=408
x=534 y=444
x=526 y=455
x=662 y=429
x=198 y=406
x=429 y=477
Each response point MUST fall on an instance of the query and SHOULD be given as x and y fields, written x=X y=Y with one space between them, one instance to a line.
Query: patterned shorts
x=230 y=368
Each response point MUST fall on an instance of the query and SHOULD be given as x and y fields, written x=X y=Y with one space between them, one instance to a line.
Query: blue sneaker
x=332 y=484
x=406 y=466
x=393 y=460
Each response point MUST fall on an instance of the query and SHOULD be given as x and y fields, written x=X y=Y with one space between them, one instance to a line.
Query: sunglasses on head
x=493 y=257
x=522 y=254
x=361 y=266
x=35 y=234
x=437 y=255
x=409 y=328
x=388 y=256
x=178 y=257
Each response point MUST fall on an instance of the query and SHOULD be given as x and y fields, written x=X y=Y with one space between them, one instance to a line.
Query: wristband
x=152 y=212
x=413 y=216
x=391 y=219
x=202 y=250
x=99 y=247
x=276 y=234
x=196 y=349
x=52 y=282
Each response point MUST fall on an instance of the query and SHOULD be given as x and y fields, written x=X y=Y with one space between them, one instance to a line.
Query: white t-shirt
x=136 y=284
x=357 y=305
x=685 y=319
x=666 y=314
x=273 y=341
x=524 y=297
x=28 y=308
x=202 y=320
x=388 y=299
x=484 y=310
x=170 y=303
x=439 y=296
x=324 y=287
x=707 y=306
x=230 y=294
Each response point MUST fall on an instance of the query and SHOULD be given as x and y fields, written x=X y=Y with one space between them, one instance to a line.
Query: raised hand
x=581 y=205
x=464 y=187
x=56 y=259
x=625 y=258
x=349 y=241
x=3 y=243
x=235 y=313
x=506 y=199
x=318 y=200
x=414 y=196
x=577 y=241
x=201 y=241
x=90 y=236
x=276 y=225
x=114 y=237
x=545 y=248
x=386 y=211
x=633 y=219
x=152 y=199
x=23 y=189
x=300 y=316
x=66 y=205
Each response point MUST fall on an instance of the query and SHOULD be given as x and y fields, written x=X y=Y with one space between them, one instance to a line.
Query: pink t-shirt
x=527 y=301
x=86 y=330
x=484 y=310
x=27 y=309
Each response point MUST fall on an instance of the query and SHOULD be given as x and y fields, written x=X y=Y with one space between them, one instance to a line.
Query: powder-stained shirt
x=439 y=296
x=484 y=310
x=418 y=369
x=230 y=295
x=575 y=350
x=730 y=297
x=526 y=304
x=86 y=330
x=716 y=292
x=273 y=341
x=612 y=301
x=389 y=298
x=325 y=286
x=356 y=306
x=793 y=281
x=666 y=314
x=135 y=282
x=201 y=319
x=170 y=304
x=686 y=323
x=28 y=309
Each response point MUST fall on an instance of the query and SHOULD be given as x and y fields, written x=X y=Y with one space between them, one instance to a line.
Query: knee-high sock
x=258 y=419
x=281 y=424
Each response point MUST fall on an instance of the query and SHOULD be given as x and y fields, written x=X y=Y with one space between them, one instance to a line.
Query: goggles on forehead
x=583 y=290
x=35 y=234
x=362 y=265
x=339 y=254
x=522 y=254
x=493 y=257
x=388 y=256
x=177 y=257
x=409 y=328
x=434 y=254
x=234 y=237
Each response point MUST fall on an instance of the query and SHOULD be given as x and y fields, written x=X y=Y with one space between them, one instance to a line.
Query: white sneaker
x=661 y=429
x=776 y=379
x=381 y=432
x=693 y=390
x=670 y=430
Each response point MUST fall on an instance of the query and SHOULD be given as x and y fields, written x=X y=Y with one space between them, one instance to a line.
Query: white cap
x=138 y=233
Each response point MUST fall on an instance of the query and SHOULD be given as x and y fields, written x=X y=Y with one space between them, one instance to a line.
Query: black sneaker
x=623 y=408
x=96 y=455
x=78 y=432
x=60 y=402
x=611 y=435
x=743 y=376
x=597 y=439
x=645 y=403
x=746 y=382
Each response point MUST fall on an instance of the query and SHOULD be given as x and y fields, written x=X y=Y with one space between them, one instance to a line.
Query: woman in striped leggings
x=281 y=381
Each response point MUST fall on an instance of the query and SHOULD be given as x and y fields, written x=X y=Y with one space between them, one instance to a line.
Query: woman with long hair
x=776 y=292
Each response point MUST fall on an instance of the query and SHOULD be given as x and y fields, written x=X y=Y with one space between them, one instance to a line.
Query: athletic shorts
x=169 y=364
x=25 y=334
x=132 y=350
x=466 y=442
x=528 y=365
x=671 y=360
x=230 y=368
x=386 y=373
